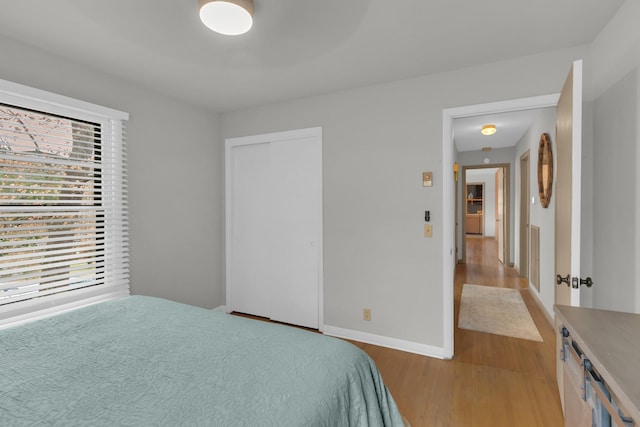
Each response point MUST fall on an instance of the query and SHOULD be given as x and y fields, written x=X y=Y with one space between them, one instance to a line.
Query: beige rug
x=497 y=311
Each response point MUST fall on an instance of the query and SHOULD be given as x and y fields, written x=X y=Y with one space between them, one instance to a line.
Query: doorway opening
x=450 y=213
x=486 y=214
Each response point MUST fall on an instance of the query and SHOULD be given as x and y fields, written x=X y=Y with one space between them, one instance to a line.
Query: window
x=63 y=210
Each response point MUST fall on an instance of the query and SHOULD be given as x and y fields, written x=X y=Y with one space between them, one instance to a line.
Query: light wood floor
x=492 y=380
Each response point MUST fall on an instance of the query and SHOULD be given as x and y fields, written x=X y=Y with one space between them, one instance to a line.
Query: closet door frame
x=230 y=144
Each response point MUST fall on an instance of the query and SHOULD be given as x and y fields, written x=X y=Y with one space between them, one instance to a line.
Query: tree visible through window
x=51 y=216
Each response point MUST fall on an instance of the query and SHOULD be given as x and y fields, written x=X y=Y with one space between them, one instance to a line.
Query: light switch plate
x=428 y=230
x=427 y=179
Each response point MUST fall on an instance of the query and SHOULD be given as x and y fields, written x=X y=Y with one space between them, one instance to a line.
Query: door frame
x=455 y=221
x=448 y=202
x=525 y=215
x=230 y=143
x=507 y=207
x=501 y=236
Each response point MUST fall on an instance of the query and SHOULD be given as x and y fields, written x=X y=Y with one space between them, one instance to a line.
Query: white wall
x=616 y=181
x=544 y=218
x=175 y=175
x=377 y=141
x=488 y=178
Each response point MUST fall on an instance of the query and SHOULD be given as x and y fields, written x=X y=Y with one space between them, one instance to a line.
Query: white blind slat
x=55 y=274
x=16 y=252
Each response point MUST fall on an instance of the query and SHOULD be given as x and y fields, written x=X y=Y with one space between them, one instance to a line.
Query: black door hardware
x=574 y=282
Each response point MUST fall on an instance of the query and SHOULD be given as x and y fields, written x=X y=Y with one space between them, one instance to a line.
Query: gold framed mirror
x=545 y=169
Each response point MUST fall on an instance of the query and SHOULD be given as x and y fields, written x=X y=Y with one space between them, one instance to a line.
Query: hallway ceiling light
x=228 y=17
x=488 y=130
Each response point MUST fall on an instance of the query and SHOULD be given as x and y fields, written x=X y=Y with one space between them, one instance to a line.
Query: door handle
x=587 y=282
x=560 y=280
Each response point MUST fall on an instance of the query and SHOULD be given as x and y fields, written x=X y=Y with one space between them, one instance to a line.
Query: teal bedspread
x=142 y=361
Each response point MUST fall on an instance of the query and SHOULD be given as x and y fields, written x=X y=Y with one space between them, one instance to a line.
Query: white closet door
x=296 y=196
x=274 y=226
x=250 y=261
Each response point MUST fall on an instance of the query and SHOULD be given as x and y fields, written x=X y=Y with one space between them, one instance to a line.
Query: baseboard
x=536 y=298
x=382 y=341
x=221 y=309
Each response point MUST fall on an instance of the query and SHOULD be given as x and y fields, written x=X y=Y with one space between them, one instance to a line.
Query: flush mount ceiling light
x=228 y=17
x=488 y=129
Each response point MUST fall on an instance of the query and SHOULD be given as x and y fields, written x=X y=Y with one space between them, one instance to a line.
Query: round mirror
x=545 y=170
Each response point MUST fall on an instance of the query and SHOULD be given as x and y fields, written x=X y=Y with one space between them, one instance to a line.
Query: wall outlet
x=366 y=314
x=428 y=230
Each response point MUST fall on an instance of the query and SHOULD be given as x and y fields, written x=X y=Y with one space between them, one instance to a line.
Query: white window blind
x=63 y=204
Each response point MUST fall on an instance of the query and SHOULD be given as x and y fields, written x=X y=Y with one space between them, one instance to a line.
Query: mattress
x=147 y=361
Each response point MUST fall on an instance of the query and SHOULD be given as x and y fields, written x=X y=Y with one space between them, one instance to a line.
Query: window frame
x=113 y=182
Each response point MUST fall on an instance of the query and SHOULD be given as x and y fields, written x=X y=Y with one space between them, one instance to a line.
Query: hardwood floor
x=492 y=380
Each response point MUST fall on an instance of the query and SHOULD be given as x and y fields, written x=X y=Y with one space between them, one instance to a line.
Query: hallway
x=492 y=380
x=514 y=378
x=484 y=268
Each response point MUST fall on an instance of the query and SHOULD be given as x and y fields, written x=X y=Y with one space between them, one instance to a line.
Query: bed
x=147 y=361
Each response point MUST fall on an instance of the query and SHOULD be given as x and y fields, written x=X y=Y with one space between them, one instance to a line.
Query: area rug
x=497 y=311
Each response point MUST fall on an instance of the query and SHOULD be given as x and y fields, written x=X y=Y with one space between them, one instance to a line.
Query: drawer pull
x=564 y=333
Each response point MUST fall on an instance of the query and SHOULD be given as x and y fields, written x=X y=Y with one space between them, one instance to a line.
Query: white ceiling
x=510 y=128
x=296 y=48
x=474 y=173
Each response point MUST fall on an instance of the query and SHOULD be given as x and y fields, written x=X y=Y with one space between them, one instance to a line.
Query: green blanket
x=143 y=361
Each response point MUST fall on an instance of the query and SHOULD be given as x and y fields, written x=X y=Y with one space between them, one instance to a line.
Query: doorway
x=485 y=200
x=274 y=226
x=449 y=153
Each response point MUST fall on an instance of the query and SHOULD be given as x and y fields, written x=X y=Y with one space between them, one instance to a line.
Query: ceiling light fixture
x=228 y=17
x=488 y=129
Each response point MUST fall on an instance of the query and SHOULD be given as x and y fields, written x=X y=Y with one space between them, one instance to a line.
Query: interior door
x=569 y=166
x=249 y=260
x=296 y=180
x=274 y=226
x=524 y=214
x=500 y=213
x=567 y=215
